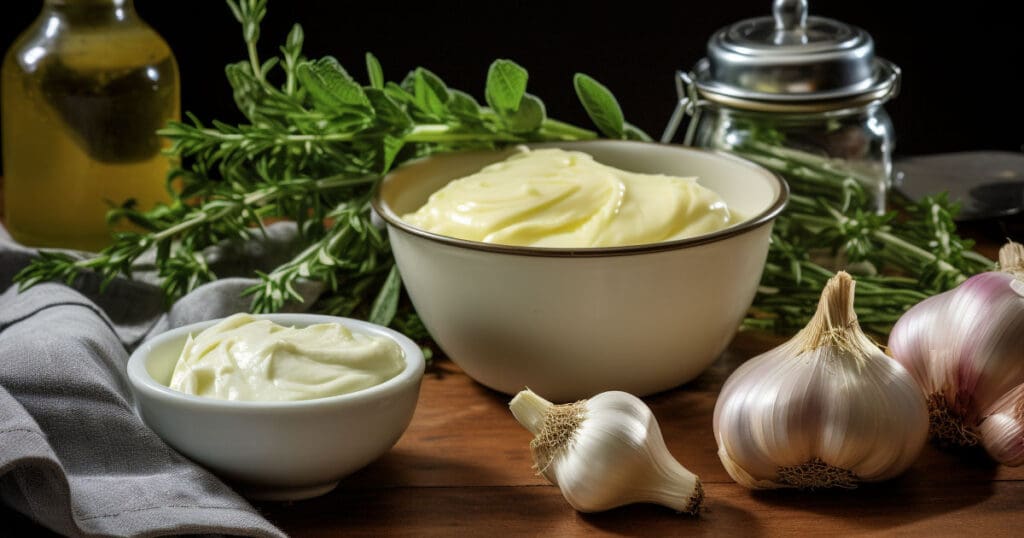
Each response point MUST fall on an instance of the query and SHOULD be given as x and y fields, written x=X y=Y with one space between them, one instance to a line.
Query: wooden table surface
x=463 y=468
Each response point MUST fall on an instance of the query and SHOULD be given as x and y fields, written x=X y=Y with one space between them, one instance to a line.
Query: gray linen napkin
x=74 y=455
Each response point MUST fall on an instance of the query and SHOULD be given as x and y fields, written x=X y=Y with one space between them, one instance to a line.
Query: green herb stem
x=312 y=151
x=829 y=213
x=557 y=129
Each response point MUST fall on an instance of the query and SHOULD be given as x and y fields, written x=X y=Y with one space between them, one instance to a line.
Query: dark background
x=962 y=67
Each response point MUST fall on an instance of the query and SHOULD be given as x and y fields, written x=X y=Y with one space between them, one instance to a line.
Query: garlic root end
x=696 y=500
x=676 y=487
x=817 y=474
x=946 y=426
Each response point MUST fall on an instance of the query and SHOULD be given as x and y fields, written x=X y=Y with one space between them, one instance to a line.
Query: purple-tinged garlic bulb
x=965 y=348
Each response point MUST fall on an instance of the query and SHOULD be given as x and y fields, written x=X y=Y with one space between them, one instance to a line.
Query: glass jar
x=84 y=89
x=800 y=95
x=813 y=151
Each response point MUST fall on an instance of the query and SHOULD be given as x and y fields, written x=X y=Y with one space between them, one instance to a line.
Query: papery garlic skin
x=606 y=452
x=966 y=344
x=965 y=348
x=825 y=409
x=1002 y=430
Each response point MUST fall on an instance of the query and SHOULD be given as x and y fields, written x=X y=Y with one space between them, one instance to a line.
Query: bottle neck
x=90 y=3
x=91 y=12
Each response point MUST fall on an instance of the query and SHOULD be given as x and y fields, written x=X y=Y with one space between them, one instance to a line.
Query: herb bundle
x=900 y=258
x=315 y=145
x=311 y=151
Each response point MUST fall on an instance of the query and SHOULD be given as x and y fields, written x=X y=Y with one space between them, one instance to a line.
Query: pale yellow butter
x=558 y=198
x=245 y=358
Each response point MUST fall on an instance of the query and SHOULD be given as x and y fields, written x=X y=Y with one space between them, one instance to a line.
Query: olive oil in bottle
x=83 y=91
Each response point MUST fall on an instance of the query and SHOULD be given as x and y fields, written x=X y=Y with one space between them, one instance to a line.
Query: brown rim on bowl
x=764 y=217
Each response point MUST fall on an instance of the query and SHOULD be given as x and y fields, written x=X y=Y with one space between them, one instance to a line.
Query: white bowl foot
x=269 y=493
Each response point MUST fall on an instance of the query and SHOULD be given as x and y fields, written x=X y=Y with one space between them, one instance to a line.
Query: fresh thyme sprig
x=352 y=251
x=311 y=151
x=900 y=258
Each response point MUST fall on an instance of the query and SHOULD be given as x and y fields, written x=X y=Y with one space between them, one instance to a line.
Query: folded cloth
x=74 y=455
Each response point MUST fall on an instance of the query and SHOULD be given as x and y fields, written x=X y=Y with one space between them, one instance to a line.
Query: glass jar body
x=815 y=152
x=84 y=89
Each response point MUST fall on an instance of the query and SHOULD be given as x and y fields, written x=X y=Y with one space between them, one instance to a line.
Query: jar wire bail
x=688 y=105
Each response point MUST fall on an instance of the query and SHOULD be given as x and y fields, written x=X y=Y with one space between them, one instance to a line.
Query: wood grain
x=988 y=509
x=463 y=467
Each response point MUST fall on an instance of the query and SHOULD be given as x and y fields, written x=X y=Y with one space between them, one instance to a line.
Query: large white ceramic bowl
x=569 y=323
x=277 y=450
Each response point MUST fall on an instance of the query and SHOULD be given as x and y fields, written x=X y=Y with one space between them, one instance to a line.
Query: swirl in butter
x=245 y=358
x=566 y=199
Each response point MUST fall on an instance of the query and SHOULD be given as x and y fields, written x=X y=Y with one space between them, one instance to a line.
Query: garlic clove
x=605 y=452
x=757 y=430
x=988 y=351
x=910 y=337
x=1002 y=430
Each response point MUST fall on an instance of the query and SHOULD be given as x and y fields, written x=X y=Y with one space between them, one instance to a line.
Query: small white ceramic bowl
x=570 y=323
x=276 y=450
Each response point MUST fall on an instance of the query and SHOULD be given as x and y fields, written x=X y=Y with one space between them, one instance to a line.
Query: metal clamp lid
x=792 y=57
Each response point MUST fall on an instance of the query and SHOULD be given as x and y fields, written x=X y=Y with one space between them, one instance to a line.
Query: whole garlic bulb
x=965 y=348
x=605 y=452
x=825 y=409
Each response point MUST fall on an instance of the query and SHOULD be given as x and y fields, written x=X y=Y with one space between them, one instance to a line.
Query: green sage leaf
x=388 y=113
x=506 y=86
x=601 y=105
x=463 y=105
x=398 y=94
x=375 y=71
x=390 y=146
x=430 y=92
x=331 y=87
x=528 y=118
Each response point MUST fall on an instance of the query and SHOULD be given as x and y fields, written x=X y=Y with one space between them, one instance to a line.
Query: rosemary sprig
x=352 y=251
x=900 y=258
x=312 y=149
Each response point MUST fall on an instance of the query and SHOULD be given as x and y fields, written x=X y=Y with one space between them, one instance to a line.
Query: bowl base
x=270 y=493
